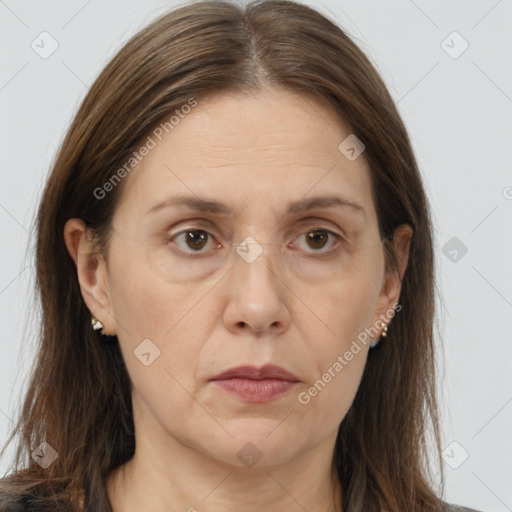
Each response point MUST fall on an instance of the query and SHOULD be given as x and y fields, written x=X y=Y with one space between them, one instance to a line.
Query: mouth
x=254 y=384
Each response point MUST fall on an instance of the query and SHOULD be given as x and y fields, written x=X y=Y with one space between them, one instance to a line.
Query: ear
x=392 y=283
x=92 y=273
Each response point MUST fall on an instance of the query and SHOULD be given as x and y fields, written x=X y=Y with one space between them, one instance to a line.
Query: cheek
x=338 y=360
x=347 y=306
x=160 y=336
x=143 y=303
x=329 y=397
x=343 y=312
x=168 y=321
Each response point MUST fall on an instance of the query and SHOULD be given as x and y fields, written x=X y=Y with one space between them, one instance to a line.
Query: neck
x=182 y=478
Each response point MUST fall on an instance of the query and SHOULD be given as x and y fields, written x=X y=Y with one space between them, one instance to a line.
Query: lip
x=254 y=384
x=268 y=371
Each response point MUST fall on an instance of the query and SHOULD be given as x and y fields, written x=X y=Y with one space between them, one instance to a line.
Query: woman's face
x=187 y=304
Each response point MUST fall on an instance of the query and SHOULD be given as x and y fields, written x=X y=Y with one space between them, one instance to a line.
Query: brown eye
x=317 y=239
x=193 y=242
x=196 y=239
x=321 y=241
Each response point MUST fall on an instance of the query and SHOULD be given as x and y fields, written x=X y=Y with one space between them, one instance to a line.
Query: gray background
x=458 y=110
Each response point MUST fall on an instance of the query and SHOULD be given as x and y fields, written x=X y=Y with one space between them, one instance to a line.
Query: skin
x=255 y=153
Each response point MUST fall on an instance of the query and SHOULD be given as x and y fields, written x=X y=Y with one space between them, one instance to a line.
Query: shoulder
x=447 y=507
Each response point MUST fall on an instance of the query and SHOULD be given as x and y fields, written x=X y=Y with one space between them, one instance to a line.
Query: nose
x=256 y=298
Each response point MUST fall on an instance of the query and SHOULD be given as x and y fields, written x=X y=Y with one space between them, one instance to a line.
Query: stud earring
x=96 y=324
x=383 y=335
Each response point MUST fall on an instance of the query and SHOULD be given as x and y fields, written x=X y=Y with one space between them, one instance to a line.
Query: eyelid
x=313 y=223
x=310 y=223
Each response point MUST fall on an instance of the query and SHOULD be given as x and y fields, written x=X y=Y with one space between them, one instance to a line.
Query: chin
x=257 y=447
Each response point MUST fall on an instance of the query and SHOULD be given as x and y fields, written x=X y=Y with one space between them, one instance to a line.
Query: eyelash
x=198 y=254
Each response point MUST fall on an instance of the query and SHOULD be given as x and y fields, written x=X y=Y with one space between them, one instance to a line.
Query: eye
x=318 y=239
x=194 y=240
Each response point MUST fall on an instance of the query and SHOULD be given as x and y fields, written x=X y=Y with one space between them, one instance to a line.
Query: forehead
x=274 y=146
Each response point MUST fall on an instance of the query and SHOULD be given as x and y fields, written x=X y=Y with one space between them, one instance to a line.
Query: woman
x=235 y=265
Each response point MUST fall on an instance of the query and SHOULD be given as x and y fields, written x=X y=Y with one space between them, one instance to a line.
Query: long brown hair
x=79 y=398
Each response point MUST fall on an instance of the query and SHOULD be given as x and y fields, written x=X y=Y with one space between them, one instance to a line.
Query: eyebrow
x=219 y=208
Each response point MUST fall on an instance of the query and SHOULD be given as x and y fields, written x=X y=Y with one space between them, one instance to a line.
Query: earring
x=383 y=335
x=96 y=324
